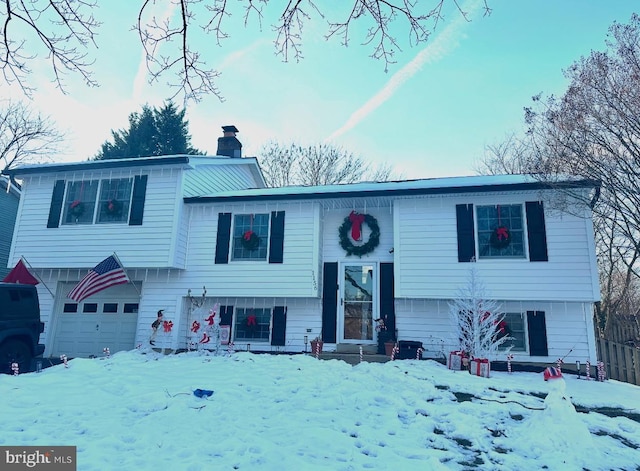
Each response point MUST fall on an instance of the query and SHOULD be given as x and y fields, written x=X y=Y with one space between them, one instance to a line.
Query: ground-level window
x=516 y=328
x=250 y=237
x=252 y=324
x=500 y=231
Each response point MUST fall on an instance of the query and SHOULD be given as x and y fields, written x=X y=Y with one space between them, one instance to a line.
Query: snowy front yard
x=137 y=411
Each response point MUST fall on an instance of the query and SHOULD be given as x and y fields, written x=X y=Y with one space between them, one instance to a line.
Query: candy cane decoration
x=106 y=351
x=559 y=363
x=361 y=354
x=230 y=348
x=394 y=351
x=317 y=352
x=15 y=368
x=419 y=353
x=509 y=358
x=601 y=373
x=63 y=357
x=588 y=370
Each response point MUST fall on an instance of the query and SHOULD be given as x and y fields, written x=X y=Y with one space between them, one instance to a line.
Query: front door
x=358 y=301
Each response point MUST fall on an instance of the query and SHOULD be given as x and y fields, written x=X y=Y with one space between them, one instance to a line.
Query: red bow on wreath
x=251 y=320
x=195 y=327
x=502 y=233
x=356 y=225
x=167 y=326
x=247 y=235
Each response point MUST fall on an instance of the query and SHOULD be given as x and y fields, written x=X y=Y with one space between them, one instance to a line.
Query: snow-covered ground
x=137 y=411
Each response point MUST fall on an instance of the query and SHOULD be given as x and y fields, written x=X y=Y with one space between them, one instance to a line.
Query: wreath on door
x=354 y=223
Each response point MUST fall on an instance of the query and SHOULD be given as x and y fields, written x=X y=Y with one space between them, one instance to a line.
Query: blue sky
x=432 y=114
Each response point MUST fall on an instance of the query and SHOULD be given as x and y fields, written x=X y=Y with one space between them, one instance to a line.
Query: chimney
x=229 y=144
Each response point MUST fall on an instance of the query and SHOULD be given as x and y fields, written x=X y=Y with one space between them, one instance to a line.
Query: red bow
x=247 y=235
x=251 y=320
x=74 y=204
x=195 y=326
x=502 y=233
x=481 y=360
x=167 y=325
x=356 y=225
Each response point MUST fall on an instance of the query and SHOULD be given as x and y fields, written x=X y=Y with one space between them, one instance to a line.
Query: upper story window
x=500 y=231
x=250 y=237
x=97 y=201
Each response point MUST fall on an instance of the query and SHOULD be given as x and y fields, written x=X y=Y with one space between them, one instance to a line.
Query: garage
x=106 y=319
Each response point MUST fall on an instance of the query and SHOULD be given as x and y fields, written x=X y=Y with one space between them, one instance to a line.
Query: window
x=110 y=307
x=494 y=224
x=97 y=201
x=516 y=329
x=130 y=308
x=90 y=307
x=70 y=307
x=250 y=237
x=252 y=324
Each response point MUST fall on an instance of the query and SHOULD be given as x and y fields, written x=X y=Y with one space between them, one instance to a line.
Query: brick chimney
x=229 y=144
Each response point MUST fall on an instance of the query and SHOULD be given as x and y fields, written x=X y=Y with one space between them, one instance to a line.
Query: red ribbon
x=74 y=204
x=481 y=360
x=356 y=225
x=251 y=320
x=167 y=325
x=247 y=235
x=502 y=233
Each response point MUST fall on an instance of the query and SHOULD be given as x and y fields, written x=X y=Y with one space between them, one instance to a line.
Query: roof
x=448 y=185
x=7 y=186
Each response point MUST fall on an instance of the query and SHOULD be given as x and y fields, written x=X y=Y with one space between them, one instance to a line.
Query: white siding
x=427 y=262
x=83 y=246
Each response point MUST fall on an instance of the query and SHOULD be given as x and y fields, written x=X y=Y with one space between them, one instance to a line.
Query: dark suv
x=20 y=326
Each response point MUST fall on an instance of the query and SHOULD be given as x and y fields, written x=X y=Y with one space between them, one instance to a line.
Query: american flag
x=105 y=274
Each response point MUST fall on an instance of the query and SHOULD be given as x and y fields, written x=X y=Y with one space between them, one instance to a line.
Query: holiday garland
x=347 y=244
x=500 y=237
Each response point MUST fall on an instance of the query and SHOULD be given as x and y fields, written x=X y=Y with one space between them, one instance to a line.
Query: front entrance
x=358 y=303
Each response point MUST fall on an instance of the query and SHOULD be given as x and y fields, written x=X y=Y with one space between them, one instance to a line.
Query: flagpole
x=125 y=270
x=36 y=275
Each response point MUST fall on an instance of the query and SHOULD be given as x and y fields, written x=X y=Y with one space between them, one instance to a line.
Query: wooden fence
x=621 y=362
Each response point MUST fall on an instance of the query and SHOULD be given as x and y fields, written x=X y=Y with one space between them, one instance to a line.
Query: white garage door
x=106 y=319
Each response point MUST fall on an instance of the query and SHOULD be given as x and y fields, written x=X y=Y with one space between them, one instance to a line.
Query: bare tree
x=66 y=31
x=25 y=135
x=319 y=164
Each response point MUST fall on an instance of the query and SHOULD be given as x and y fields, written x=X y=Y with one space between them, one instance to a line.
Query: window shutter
x=226 y=316
x=56 y=204
x=465 y=229
x=387 y=300
x=137 y=200
x=537 y=328
x=330 y=302
x=536 y=232
x=223 y=238
x=278 y=330
x=276 y=241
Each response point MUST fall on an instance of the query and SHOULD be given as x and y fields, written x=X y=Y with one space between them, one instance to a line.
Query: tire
x=15 y=351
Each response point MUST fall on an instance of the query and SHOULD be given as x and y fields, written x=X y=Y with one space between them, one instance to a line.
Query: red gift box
x=480 y=367
x=455 y=360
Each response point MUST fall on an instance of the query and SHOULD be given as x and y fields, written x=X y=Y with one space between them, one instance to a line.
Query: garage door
x=106 y=319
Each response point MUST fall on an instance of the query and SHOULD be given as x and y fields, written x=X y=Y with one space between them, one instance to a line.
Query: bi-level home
x=282 y=266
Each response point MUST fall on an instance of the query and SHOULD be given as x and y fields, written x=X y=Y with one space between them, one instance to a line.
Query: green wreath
x=250 y=240
x=500 y=237
x=113 y=207
x=359 y=250
x=76 y=208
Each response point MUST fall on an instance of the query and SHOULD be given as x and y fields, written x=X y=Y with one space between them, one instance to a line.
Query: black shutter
x=330 y=302
x=536 y=232
x=223 y=238
x=137 y=200
x=279 y=328
x=466 y=237
x=56 y=204
x=276 y=241
x=387 y=300
x=226 y=317
x=537 y=327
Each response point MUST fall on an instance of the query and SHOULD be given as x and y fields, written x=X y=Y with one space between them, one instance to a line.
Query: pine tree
x=152 y=132
x=476 y=319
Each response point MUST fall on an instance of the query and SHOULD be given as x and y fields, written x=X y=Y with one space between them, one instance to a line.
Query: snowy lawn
x=137 y=411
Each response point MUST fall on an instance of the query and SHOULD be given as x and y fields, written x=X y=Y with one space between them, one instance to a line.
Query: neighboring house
x=9 y=201
x=190 y=222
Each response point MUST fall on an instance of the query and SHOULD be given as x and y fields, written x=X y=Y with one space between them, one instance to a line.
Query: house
x=9 y=200
x=283 y=265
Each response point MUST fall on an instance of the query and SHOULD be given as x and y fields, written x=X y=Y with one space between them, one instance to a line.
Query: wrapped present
x=480 y=367
x=456 y=360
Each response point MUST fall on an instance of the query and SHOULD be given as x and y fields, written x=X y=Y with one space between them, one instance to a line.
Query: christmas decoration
x=602 y=375
x=354 y=222
x=195 y=326
x=113 y=207
x=63 y=357
x=205 y=338
x=419 y=353
x=155 y=326
x=211 y=319
x=15 y=368
x=588 y=366
x=509 y=358
x=552 y=373
x=394 y=352
x=316 y=346
x=480 y=367
x=225 y=334
x=559 y=363
x=250 y=240
x=76 y=208
x=455 y=360
x=167 y=326
x=229 y=346
x=500 y=237
x=106 y=351
x=361 y=354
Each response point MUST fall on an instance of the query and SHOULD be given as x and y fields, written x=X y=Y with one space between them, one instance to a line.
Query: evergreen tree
x=154 y=131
